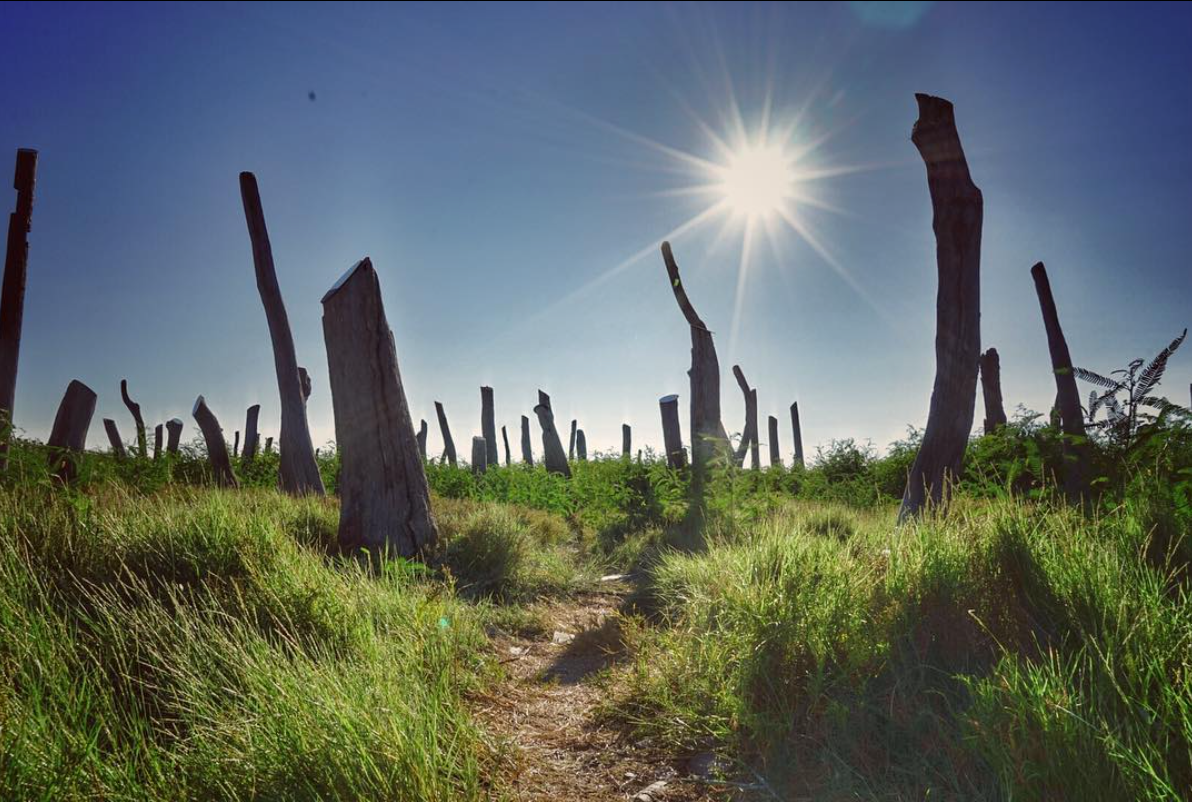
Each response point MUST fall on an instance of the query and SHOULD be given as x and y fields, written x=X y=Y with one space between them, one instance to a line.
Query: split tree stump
x=251 y=437
x=626 y=440
x=236 y=445
x=12 y=291
x=488 y=425
x=991 y=389
x=553 y=455
x=445 y=430
x=571 y=441
x=581 y=445
x=526 y=447
x=797 y=434
x=135 y=410
x=268 y=445
x=114 y=438
x=505 y=437
x=422 y=438
x=672 y=437
x=775 y=449
x=174 y=438
x=479 y=456
x=749 y=435
x=217 y=447
x=68 y=437
x=157 y=438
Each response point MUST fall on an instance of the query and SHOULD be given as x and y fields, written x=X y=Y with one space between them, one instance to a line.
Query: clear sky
x=511 y=170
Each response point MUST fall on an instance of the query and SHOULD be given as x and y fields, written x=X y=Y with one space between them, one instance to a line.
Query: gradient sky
x=494 y=161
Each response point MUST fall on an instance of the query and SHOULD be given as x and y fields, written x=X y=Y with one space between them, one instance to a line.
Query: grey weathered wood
x=298 y=473
x=384 y=497
x=505 y=437
x=445 y=430
x=68 y=437
x=553 y=455
x=174 y=435
x=135 y=410
x=1067 y=397
x=749 y=435
x=217 y=447
x=12 y=291
x=236 y=445
x=991 y=389
x=957 y=212
x=157 y=438
x=526 y=447
x=626 y=440
x=422 y=428
x=581 y=445
x=797 y=434
x=775 y=448
x=571 y=441
x=672 y=437
x=488 y=424
x=479 y=456
x=114 y=438
x=252 y=437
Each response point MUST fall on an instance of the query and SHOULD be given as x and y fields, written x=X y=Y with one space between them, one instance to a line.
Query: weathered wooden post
x=135 y=410
x=12 y=291
x=479 y=456
x=174 y=438
x=1067 y=397
x=626 y=440
x=672 y=438
x=581 y=445
x=157 y=438
x=749 y=435
x=553 y=455
x=422 y=438
x=117 y=444
x=268 y=445
x=957 y=211
x=251 y=437
x=68 y=437
x=384 y=498
x=775 y=449
x=488 y=425
x=445 y=430
x=505 y=437
x=236 y=445
x=571 y=441
x=797 y=434
x=991 y=388
x=298 y=472
x=217 y=447
x=526 y=447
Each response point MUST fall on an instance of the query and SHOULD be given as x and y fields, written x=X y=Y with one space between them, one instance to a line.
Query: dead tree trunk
x=217 y=447
x=775 y=449
x=251 y=436
x=488 y=425
x=553 y=455
x=749 y=434
x=991 y=388
x=298 y=473
x=445 y=430
x=174 y=438
x=581 y=445
x=236 y=445
x=505 y=437
x=957 y=210
x=672 y=438
x=135 y=409
x=1067 y=397
x=422 y=439
x=305 y=383
x=797 y=434
x=571 y=442
x=157 y=437
x=12 y=291
x=479 y=456
x=268 y=445
x=68 y=438
x=527 y=448
x=626 y=440
x=117 y=444
x=706 y=428
x=384 y=497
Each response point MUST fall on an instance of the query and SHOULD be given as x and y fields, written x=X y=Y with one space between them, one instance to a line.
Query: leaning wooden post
x=117 y=444
x=991 y=388
x=174 y=438
x=68 y=437
x=505 y=437
x=445 y=430
x=671 y=436
x=479 y=456
x=571 y=441
x=298 y=473
x=217 y=447
x=749 y=434
x=581 y=445
x=157 y=438
x=1067 y=397
x=626 y=440
x=526 y=447
x=488 y=425
x=797 y=434
x=957 y=211
x=12 y=291
x=422 y=438
x=251 y=437
x=775 y=449
x=236 y=445
x=553 y=455
x=384 y=497
x=135 y=410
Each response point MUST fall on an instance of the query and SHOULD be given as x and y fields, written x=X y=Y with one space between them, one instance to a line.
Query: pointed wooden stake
x=445 y=430
x=797 y=434
x=68 y=438
x=217 y=447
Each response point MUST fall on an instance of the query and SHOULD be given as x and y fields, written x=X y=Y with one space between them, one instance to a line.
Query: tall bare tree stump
x=797 y=434
x=157 y=438
x=991 y=388
x=114 y=438
x=251 y=437
x=957 y=212
x=526 y=447
x=581 y=445
x=626 y=440
x=422 y=439
x=749 y=435
x=553 y=455
x=571 y=441
x=236 y=445
x=505 y=437
x=135 y=410
x=12 y=291
x=174 y=438
x=672 y=437
x=445 y=430
x=298 y=473
x=488 y=425
x=268 y=445
x=217 y=447
x=479 y=456
x=68 y=437
x=1067 y=397
x=775 y=449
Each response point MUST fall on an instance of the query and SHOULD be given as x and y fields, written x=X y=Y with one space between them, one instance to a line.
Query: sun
x=756 y=181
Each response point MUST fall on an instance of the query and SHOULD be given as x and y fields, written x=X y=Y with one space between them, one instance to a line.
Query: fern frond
x=1154 y=371
x=1097 y=379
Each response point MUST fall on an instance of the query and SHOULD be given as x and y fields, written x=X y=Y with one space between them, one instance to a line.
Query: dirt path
x=545 y=710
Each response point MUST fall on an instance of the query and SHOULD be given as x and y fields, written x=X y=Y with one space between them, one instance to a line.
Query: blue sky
x=494 y=161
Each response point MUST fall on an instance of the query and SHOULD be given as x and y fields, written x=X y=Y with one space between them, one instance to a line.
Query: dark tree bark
x=268 y=445
x=581 y=445
x=117 y=444
x=157 y=437
x=298 y=473
x=479 y=456
x=672 y=437
x=1067 y=397
x=174 y=438
x=505 y=437
x=236 y=445
x=553 y=455
x=527 y=448
x=217 y=447
x=488 y=425
x=305 y=383
x=135 y=410
x=775 y=449
x=68 y=438
x=252 y=438
x=626 y=440
x=991 y=388
x=422 y=439
x=445 y=430
x=12 y=291
x=957 y=211
x=384 y=497
x=797 y=434
x=571 y=441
